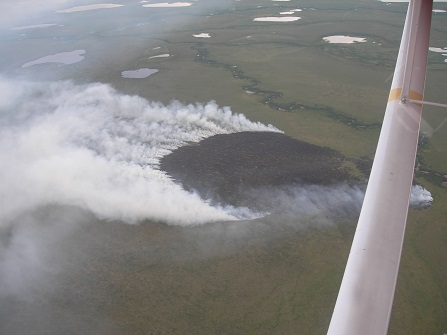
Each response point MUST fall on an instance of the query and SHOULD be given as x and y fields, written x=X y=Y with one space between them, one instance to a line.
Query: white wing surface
x=366 y=294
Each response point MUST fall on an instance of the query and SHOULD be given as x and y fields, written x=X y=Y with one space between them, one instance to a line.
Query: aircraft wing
x=366 y=294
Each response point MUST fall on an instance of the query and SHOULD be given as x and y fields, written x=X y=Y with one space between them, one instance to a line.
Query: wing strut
x=367 y=290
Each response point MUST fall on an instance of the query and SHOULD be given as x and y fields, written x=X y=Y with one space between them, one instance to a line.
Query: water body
x=138 y=74
x=168 y=5
x=442 y=51
x=66 y=58
x=277 y=19
x=88 y=7
x=44 y=25
x=160 y=56
x=341 y=39
x=202 y=35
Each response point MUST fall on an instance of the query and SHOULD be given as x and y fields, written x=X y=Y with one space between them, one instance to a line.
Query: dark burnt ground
x=226 y=168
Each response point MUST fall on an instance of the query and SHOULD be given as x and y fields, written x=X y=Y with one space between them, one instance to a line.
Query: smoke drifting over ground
x=313 y=203
x=93 y=148
x=70 y=154
x=90 y=147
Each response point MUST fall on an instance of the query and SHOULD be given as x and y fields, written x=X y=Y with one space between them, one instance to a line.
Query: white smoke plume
x=91 y=147
x=420 y=197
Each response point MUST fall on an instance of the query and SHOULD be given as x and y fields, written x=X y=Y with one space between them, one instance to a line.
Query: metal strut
x=422 y=102
x=414 y=10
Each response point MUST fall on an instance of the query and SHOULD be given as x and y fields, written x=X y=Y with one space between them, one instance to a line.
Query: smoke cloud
x=420 y=197
x=72 y=153
x=90 y=147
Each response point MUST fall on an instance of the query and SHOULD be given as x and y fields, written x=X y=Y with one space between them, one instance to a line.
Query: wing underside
x=367 y=290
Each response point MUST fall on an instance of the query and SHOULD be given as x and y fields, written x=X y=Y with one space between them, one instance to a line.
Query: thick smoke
x=71 y=153
x=90 y=147
x=420 y=197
